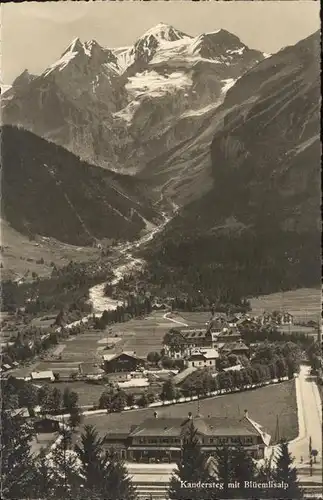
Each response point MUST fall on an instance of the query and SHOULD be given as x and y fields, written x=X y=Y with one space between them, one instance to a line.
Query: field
x=88 y=394
x=139 y=335
x=143 y=335
x=20 y=255
x=304 y=303
x=264 y=406
x=194 y=319
x=72 y=351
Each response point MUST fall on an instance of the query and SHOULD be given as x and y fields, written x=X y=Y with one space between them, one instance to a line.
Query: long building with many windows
x=161 y=439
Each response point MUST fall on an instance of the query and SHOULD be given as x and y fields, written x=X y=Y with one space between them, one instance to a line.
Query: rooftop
x=225 y=332
x=207 y=426
x=181 y=376
x=234 y=368
x=159 y=426
x=131 y=354
x=193 y=333
x=206 y=353
x=90 y=369
x=235 y=346
x=41 y=375
x=218 y=324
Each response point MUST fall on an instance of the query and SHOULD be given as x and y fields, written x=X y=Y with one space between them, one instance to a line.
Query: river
x=127 y=263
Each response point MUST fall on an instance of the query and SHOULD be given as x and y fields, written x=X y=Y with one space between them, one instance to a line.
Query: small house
x=234 y=368
x=158 y=306
x=287 y=319
x=203 y=358
x=46 y=425
x=218 y=322
x=237 y=348
x=21 y=412
x=90 y=371
x=43 y=376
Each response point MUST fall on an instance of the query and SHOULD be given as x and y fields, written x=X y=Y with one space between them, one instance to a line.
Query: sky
x=34 y=34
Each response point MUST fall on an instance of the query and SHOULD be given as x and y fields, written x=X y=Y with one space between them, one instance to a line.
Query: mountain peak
x=164 y=31
x=24 y=78
x=84 y=52
x=75 y=46
x=221 y=35
x=147 y=45
x=213 y=44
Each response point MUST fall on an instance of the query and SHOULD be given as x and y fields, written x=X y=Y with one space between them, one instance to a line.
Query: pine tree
x=118 y=481
x=64 y=467
x=224 y=470
x=169 y=391
x=70 y=400
x=264 y=475
x=43 y=481
x=16 y=458
x=284 y=471
x=75 y=417
x=103 y=475
x=191 y=468
x=243 y=469
x=93 y=464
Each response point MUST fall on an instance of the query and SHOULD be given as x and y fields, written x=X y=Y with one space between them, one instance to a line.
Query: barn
x=125 y=361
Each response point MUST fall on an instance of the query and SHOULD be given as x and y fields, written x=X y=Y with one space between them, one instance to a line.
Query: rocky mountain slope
x=122 y=108
x=257 y=229
x=47 y=190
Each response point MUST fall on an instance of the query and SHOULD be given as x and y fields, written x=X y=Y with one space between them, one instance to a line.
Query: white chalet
x=203 y=358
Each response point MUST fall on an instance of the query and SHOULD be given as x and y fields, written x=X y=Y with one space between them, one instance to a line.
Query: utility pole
x=277 y=433
x=310 y=455
x=198 y=404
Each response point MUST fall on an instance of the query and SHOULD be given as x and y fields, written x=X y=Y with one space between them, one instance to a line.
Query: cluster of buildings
x=5 y=367
x=278 y=318
x=160 y=439
x=87 y=371
x=201 y=347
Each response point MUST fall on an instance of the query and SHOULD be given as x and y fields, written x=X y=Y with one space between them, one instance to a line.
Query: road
x=309 y=410
x=174 y=320
x=309 y=417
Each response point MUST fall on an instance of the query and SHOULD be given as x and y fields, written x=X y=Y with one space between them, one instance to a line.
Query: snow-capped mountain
x=146 y=47
x=120 y=108
x=259 y=223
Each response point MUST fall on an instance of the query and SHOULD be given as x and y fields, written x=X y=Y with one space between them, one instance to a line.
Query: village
x=142 y=382
x=224 y=342
x=161 y=309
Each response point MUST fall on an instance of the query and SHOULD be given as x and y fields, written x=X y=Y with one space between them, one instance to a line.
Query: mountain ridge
x=257 y=228
x=123 y=108
x=49 y=191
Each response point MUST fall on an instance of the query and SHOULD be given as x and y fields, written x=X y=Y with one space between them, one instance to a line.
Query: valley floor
x=303 y=303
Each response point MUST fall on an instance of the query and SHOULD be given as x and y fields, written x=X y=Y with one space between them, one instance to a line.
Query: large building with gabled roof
x=160 y=439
